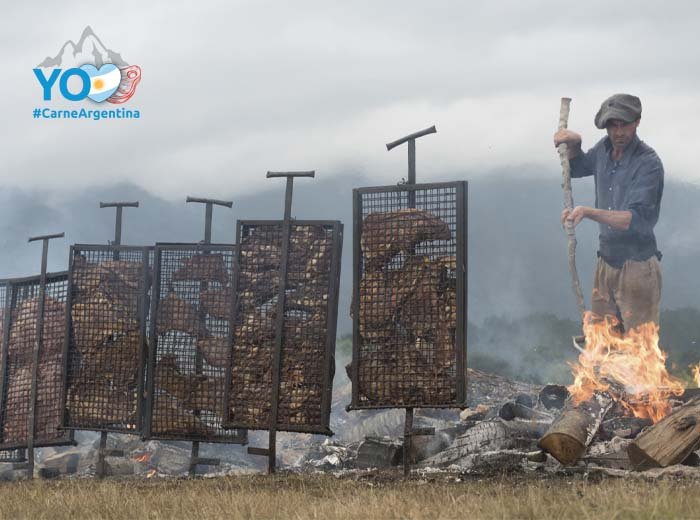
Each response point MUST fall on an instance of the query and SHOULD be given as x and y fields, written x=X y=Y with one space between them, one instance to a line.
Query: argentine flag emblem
x=103 y=81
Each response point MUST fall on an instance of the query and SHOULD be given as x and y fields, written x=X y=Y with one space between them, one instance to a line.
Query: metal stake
x=408 y=431
x=118 y=222
x=38 y=343
x=271 y=451
x=195 y=459
x=102 y=452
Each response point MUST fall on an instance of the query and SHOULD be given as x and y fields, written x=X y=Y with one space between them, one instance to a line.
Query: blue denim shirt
x=635 y=183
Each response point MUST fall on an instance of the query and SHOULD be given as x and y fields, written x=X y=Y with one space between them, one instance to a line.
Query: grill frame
x=335 y=228
x=142 y=317
x=236 y=436
x=460 y=236
x=31 y=285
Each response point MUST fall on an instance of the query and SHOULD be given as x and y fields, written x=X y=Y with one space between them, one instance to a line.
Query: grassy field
x=327 y=497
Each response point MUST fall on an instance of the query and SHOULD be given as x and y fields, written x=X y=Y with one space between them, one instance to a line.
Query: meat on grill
x=386 y=234
x=203 y=268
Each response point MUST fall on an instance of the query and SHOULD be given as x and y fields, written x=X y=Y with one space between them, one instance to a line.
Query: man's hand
x=572 y=140
x=575 y=216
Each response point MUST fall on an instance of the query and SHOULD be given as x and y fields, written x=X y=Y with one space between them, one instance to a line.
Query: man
x=629 y=182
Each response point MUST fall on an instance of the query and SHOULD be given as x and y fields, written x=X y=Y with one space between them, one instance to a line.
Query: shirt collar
x=630 y=149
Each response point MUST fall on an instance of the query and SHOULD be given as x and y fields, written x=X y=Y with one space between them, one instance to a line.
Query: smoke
x=517 y=250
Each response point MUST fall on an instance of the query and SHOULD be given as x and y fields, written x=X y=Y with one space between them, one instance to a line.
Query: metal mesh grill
x=106 y=353
x=9 y=456
x=18 y=362
x=408 y=309
x=190 y=343
x=308 y=331
x=6 y=455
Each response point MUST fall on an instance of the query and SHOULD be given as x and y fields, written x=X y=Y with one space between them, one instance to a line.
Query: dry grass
x=327 y=497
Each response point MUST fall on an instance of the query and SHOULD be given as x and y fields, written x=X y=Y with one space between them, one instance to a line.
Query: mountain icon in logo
x=91 y=51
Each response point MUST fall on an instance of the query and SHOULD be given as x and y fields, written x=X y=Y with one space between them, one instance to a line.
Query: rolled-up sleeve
x=644 y=197
x=583 y=165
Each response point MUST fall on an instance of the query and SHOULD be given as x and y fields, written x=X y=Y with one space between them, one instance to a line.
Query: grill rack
x=409 y=280
x=308 y=326
x=17 y=368
x=191 y=307
x=109 y=291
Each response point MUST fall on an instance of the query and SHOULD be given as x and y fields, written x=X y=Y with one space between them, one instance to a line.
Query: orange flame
x=631 y=367
x=143 y=458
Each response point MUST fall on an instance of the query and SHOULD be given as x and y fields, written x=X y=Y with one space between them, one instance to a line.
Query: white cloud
x=233 y=89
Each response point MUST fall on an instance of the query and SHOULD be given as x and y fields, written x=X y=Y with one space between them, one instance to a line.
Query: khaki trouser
x=631 y=293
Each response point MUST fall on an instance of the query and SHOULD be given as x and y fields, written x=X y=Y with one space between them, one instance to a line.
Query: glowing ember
x=631 y=367
x=151 y=473
x=143 y=458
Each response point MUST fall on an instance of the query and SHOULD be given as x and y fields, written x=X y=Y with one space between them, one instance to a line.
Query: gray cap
x=625 y=107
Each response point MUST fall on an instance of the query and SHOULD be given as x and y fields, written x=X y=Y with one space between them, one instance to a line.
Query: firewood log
x=203 y=268
x=670 y=440
x=553 y=396
x=384 y=235
x=489 y=436
x=572 y=432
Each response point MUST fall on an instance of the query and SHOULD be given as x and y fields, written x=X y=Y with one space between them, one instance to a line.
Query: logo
x=87 y=70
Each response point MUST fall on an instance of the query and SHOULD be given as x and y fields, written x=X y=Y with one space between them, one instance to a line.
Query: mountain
x=89 y=49
x=517 y=249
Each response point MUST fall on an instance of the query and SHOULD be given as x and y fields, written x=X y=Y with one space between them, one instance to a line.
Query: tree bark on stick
x=569 y=204
x=572 y=432
x=669 y=441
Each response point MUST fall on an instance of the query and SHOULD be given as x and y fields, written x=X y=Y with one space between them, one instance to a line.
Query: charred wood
x=670 y=440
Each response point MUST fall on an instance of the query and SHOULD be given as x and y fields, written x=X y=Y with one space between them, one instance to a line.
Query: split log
x=553 y=396
x=376 y=452
x=514 y=410
x=609 y=454
x=489 y=436
x=669 y=441
x=622 y=426
x=572 y=432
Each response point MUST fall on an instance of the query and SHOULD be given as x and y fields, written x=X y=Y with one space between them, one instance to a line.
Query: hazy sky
x=231 y=89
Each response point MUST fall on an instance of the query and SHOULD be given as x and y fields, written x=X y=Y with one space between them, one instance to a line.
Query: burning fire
x=630 y=367
x=143 y=458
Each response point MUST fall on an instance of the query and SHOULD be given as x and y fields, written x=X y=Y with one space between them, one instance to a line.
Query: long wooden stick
x=569 y=204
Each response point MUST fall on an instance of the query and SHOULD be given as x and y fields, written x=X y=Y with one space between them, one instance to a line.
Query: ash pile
x=502 y=430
